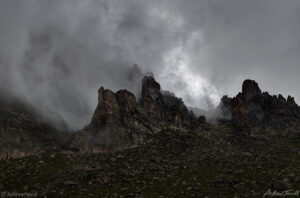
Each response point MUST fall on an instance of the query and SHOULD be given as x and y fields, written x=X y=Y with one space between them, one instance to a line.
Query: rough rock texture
x=117 y=123
x=120 y=122
x=166 y=107
x=253 y=109
x=153 y=100
x=22 y=132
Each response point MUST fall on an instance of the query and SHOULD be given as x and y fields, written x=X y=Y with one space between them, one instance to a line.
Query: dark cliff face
x=117 y=123
x=165 y=107
x=253 y=109
x=250 y=91
x=247 y=107
x=152 y=99
x=120 y=122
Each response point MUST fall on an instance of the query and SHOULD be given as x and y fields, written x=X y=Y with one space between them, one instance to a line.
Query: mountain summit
x=253 y=109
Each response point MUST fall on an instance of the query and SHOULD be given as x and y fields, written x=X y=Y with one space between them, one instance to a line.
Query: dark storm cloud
x=249 y=39
x=56 y=54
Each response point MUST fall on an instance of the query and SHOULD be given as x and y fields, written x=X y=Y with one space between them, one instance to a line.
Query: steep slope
x=22 y=131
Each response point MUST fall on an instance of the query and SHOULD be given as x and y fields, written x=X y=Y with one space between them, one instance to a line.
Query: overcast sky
x=55 y=54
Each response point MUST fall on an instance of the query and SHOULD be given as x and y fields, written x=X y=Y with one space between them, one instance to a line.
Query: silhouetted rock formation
x=165 y=107
x=120 y=122
x=253 y=109
x=117 y=123
x=152 y=99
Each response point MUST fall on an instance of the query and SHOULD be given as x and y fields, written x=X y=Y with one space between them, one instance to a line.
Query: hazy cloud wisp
x=56 y=54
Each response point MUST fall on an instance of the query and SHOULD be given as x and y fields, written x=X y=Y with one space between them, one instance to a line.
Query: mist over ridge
x=56 y=54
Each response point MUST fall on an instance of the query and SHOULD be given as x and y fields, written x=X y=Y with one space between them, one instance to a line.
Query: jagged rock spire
x=250 y=90
x=253 y=109
x=120 y=122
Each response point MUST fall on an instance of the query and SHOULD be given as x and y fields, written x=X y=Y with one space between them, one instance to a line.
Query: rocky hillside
x=155 y=147
x=211 y=163
x=22 y=131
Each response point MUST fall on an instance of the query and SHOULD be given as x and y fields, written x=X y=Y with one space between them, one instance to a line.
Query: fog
x=55 y=54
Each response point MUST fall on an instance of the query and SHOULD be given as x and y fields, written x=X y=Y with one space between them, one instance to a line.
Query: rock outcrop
x=117 y=123
x=153 y=101
x=165 y=106
x=253 y=109
x=121 y=122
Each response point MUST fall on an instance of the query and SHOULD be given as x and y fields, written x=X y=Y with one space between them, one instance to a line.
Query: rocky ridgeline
x=121 y=122
x=252 y=109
